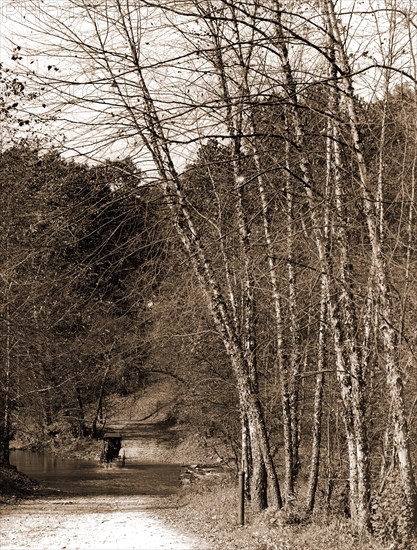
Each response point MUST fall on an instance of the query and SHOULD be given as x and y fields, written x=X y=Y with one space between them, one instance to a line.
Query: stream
x=89 y=478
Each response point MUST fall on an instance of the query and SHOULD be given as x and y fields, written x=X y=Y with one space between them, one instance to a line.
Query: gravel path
x=90 y=523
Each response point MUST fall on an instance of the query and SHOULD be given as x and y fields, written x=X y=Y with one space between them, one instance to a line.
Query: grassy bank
x=209 y=509
x=14 y=484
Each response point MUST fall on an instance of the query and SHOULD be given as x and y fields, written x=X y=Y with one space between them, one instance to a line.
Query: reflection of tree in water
x=111 y=449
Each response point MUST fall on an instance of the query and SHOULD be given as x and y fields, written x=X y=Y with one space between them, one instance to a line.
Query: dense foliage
x=79 y=263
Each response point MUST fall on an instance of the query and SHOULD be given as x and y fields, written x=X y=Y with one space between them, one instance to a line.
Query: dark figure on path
x=111 y=449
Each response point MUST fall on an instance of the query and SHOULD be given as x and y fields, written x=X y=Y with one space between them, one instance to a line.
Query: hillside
x=148 y=421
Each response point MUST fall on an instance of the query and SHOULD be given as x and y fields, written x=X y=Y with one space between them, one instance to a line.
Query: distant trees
x=20 y=278
x=76 y=243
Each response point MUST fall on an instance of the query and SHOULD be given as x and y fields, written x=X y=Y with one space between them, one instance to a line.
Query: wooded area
x=258 y=244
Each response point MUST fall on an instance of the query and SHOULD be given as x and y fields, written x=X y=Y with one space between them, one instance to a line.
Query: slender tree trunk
x=82 y=429
x=99 y=409
x=6 y=428
x=246 y=464
x=394 y=378
x=260 y=450
x=241 y=346
x=192 y=244
x=282 y=358
x=348 y=366
x=294 y=339
x=318 y=404
x=315 y=451
x=360 y=506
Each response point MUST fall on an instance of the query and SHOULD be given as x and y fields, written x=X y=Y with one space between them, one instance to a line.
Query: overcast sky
x=368 y=40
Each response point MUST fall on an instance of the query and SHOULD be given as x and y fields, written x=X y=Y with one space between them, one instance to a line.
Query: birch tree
x=394 y=378
x=151 y=122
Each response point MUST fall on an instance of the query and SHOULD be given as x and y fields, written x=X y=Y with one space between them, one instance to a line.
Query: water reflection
x=87 y=477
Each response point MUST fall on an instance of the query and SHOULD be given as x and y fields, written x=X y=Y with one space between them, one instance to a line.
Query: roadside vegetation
x=209 y=509
x=15 y=485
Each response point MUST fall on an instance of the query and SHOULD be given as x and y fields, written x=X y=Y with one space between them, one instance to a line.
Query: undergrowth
x=209 y=508
x=14 y=484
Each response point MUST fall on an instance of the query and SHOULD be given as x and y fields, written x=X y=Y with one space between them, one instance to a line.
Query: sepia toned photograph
x=208 y=274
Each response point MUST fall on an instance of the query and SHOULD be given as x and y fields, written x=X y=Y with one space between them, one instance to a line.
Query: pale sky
x=369 y=43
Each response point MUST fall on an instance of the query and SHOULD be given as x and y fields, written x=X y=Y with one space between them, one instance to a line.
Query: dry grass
x=209 y=510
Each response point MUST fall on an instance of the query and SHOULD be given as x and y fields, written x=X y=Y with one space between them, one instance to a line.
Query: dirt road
x=90 y=523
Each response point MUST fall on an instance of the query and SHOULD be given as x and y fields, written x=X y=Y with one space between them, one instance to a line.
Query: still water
x=87 y=477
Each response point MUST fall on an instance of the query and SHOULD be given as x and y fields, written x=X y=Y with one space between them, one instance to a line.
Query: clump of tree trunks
x=292 y=223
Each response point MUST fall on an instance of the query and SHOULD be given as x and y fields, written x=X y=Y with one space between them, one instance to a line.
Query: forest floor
x=209 y=510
